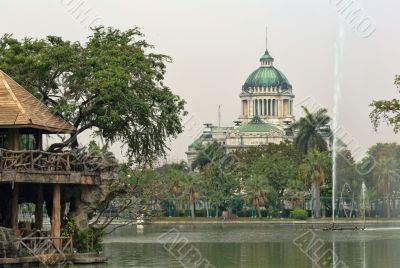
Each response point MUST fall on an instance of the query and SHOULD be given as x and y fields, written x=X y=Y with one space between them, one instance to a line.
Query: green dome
x=267 y=76
x=257 y=125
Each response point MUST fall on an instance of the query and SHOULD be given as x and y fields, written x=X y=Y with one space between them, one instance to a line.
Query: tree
x=348 y=181
x=277 y=164
x=257 y=189
x=192 y=188
x=387 y=111
x=316 y=166
x=111 y=85
x=387 y=170
x=219 y=179
x=311 y=131
x=384 y=177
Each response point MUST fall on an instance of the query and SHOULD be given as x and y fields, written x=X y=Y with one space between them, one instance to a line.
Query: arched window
x=256 y=107
x=260 y=106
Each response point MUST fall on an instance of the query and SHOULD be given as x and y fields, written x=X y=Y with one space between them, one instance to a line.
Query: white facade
x=266 y=103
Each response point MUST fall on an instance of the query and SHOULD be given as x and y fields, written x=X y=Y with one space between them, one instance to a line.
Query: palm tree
x=256 y=190
x=317 y=165
x=311 y=129
x=215 y=165
x=211 y=154
x=386 y=170
x=191 y=184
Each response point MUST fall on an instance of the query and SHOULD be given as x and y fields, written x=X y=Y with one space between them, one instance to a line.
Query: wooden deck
x=51 y=168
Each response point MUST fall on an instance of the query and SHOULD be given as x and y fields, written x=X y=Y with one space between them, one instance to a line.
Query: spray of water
x=339 y=51
x=363 y=196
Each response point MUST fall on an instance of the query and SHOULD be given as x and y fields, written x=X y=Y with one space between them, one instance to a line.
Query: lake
x=249 y=245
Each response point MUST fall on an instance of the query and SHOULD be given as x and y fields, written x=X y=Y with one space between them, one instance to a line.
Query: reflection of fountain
x=139 y=229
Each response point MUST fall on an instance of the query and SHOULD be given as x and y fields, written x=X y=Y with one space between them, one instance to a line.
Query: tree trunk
x=258 y=210
x=191 y=202
x=207 y=212
x=387 y=201
x=317 y=200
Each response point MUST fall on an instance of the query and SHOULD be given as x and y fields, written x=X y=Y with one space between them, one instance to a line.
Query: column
x=269 y=107
x=14 y=207
x=291 y=107
x=56 y=215
x=265 y=107
x=273 y=107
x=39 y=208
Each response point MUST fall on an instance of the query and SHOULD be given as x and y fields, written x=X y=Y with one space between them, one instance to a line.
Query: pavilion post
x=56 y=216
x=14 y=207
x=39 y=208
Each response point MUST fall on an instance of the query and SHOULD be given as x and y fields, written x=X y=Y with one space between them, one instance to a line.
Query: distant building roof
x=266 y=76
x=257 y=125
x=20 y=109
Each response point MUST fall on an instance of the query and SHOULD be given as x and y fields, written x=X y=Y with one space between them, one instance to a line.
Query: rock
x=85 y=204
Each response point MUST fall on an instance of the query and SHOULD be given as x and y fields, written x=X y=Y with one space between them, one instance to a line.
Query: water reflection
x=250 y=246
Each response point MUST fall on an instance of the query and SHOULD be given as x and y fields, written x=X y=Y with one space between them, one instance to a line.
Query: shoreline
x=309 y=222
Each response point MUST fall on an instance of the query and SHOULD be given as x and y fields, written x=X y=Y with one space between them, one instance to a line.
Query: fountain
x=339 y=50
x=363 y=196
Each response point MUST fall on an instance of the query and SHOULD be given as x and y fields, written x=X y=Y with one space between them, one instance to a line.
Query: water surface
x=228 y=245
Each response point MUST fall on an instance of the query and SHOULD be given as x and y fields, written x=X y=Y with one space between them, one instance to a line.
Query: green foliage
x=384 y=178
x=88 y=240
x=111 y=85
x=386 y=111
x=69 y=229
x=85 y=241
x=311 y=130
x=299 y=214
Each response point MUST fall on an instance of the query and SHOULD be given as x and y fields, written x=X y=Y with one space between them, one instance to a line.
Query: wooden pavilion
x=28 y=174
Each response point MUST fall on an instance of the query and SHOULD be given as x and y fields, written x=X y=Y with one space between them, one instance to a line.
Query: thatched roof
x=20 y=109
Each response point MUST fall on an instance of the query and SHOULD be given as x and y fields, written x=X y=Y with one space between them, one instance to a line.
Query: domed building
x=267 y=93
x=266 y=113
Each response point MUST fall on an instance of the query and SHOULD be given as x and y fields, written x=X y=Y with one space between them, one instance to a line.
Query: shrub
x=85 y=241
x=88 y=240
x=299 y=214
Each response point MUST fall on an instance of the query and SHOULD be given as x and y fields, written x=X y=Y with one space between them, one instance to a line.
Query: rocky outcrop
x=89 y=197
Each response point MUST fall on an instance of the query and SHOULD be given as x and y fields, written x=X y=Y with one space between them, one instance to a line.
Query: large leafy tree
x=311 y=130
x=111 y=85
x=387 y=111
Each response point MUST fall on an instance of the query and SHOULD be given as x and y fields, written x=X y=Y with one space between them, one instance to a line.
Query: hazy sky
x=216 y=44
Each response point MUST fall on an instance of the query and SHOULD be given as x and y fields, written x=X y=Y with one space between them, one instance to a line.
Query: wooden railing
x=47 y=249
x=36 y=160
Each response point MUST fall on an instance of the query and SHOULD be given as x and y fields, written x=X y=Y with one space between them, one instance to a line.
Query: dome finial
x=266 y=38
